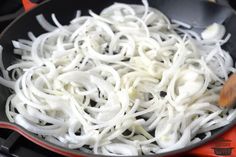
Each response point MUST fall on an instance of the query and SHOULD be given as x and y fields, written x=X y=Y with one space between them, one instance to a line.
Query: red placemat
x=222 y=146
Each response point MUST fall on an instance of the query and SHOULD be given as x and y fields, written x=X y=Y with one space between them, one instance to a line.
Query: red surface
x=223 y=146
x=28 y=5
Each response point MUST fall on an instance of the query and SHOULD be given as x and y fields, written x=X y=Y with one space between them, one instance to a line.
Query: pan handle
x=29 y=4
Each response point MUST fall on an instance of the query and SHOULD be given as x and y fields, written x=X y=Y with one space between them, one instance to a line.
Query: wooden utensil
x=228 y=92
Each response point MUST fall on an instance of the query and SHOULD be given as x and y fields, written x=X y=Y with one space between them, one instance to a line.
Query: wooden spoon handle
x=228 y=92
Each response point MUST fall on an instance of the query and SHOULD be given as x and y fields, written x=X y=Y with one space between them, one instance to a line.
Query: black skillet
x=195 y=12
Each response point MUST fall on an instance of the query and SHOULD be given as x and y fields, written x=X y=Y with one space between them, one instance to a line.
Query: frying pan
x=197 y=13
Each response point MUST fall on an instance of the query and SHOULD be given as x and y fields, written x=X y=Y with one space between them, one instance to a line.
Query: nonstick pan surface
x=197 y=13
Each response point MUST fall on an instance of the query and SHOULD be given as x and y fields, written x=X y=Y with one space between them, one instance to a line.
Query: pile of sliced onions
x=124 y=82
